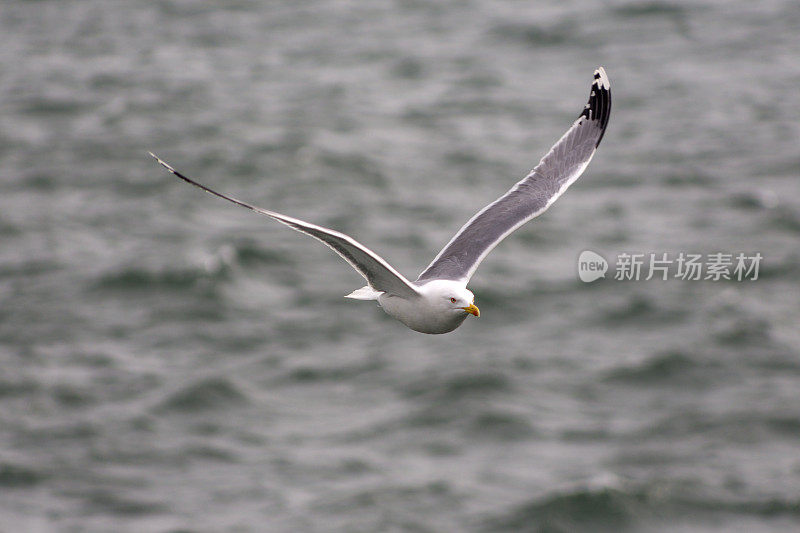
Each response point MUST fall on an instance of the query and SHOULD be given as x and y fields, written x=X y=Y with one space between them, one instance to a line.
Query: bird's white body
x=433 y=309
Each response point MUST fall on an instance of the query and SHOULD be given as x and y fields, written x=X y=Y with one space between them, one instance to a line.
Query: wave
x=455 y=387
x=671 y=367
x=108 y=502
x=638 y=509
x=639 y=308
x=19 y=476
x=649 y=9
x=130 y=279
x=580 y=510
x=500 y=425
x=311 y=374
x=562 y=34
x=204 y=395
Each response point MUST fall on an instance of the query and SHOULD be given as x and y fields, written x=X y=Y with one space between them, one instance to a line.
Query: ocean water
x=170 y=362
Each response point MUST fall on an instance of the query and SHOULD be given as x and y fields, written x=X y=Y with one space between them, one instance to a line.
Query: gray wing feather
x=557 y=170
x=379 y=274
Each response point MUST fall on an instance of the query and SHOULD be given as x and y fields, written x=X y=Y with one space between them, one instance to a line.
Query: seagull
x=438 y=301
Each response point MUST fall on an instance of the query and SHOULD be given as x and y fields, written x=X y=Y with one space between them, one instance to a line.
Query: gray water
x=171 y=362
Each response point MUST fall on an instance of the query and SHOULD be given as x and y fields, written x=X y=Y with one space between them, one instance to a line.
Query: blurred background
x=170 y=362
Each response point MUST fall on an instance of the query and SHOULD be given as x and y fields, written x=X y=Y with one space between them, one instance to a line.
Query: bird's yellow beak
x=472 y=309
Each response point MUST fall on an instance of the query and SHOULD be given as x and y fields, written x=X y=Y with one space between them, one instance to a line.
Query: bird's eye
x=452 y=300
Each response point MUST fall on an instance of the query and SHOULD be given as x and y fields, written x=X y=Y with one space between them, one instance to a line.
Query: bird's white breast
x=421 y=314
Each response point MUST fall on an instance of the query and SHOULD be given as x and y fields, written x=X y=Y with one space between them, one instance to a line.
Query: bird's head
x=451 y=296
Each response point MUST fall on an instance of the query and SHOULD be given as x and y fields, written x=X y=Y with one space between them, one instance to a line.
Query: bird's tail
x=364 y=293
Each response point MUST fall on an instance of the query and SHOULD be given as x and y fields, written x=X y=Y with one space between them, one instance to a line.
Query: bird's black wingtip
x=601 y=79
x=162 y=163
x=598 y=108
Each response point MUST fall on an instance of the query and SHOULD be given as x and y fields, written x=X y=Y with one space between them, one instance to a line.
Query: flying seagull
x=439 y=301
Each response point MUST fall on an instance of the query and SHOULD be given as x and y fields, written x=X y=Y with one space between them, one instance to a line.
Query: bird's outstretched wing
x=379 y=274
x=557 y=170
